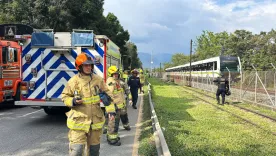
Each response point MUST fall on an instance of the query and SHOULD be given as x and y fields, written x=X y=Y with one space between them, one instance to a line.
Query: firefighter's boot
x=127 y=127
x=94 y=150
x=114 y=142
x=76 y=150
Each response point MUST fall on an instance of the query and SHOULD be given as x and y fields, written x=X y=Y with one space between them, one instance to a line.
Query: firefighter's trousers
x=82 y=143
x=113 y=126
x=124 y=117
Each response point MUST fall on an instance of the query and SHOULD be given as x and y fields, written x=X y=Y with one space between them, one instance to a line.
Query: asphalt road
x=30 y=132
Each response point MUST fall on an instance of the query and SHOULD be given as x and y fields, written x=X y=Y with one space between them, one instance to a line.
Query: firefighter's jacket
x=142 y=78
x=126 y=89
x=89 y=113
x=118 y=91
x=125 y=77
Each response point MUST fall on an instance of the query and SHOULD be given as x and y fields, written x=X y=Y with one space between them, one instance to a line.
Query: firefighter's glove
x=111 y=116
x=130 y=102
x=106 y=99
x=77 y=101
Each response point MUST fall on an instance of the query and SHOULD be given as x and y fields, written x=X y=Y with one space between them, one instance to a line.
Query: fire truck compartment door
x=59 y=69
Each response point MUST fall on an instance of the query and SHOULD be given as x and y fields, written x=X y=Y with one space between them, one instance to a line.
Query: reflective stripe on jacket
x=88 y=114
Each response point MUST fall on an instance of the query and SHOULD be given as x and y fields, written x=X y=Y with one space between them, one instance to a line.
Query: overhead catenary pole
x=160 y=71
x=151 y=62
x=191 y=47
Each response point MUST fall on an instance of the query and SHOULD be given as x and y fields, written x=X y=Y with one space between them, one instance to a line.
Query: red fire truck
x=11 y=36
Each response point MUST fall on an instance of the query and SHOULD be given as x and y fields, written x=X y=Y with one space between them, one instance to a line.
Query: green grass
x=257 y=108
x=146 y=139
x=193 y=127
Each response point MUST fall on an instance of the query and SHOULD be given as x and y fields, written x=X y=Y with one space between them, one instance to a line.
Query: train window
x=196 y=68
x=215 y=65
x=210 y=66
x=5 y=54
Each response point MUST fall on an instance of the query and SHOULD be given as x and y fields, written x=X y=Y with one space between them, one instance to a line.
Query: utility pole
x=191 y=50
x=160 y=70
x=151 y=62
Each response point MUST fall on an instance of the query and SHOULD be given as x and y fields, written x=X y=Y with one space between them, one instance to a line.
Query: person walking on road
x=114 y=85
x=223 y=86
x=134 y=84
x=85 y=120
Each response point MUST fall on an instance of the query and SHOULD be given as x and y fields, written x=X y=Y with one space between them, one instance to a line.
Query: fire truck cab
x=11 y=36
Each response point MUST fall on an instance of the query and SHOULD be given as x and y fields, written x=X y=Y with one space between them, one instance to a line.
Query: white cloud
x=166 y=26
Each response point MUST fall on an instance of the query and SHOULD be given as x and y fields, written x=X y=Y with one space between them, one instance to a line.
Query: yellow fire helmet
x=112 y=70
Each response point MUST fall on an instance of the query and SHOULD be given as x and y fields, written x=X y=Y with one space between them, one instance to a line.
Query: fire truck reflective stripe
x=34 y=58
x=67 y=62
x=99 y=50
x=36 y=65
x=26 y=50
x=48 y=57
x=41 y=95
x=33 y=94
x=52 y=91
x=74 y=54
x=55 y=79
x=56 y=89
x=58 y=81
x=57 y=94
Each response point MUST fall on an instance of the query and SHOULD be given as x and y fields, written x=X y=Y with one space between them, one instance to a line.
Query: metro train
x=211 y=68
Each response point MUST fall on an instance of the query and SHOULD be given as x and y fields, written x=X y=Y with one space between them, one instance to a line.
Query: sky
x=167 y=26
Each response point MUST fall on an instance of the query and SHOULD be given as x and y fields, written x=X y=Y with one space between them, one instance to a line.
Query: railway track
x=240 y=107
x=231 y=113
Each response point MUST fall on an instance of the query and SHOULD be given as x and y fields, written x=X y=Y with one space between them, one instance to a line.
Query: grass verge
x=192 y=127
x=254 y=107
x=146 y=139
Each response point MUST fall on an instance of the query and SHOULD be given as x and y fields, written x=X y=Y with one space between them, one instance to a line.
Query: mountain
x=156 y=59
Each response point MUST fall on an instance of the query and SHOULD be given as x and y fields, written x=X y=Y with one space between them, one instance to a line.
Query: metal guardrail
x=160 y=142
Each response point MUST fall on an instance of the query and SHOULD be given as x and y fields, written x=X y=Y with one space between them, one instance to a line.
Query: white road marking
x=31 y=113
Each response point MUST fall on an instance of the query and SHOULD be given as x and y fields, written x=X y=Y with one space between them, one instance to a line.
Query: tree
x=177 y=59
x=65 y=15
x=118 y=35
x=257 y=49
x=210 y=44
x=133 y=55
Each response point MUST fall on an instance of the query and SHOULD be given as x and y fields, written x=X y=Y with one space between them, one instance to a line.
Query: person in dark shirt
x=223 y=86
x=134 y=84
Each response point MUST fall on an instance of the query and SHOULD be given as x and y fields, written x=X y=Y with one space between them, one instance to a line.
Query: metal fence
x=257 y=87
x=160 y=141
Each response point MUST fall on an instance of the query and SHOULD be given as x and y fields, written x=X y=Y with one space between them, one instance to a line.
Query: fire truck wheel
x=56 y=110
x=50 y=111
x=17 y=95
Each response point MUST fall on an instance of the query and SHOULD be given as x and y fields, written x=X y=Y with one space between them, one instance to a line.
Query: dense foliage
x=65 y=15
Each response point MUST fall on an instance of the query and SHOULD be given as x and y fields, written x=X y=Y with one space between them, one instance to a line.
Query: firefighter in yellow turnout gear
x=85 y=119
x=142 y=79
x=114 y=84
x=125 y=76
